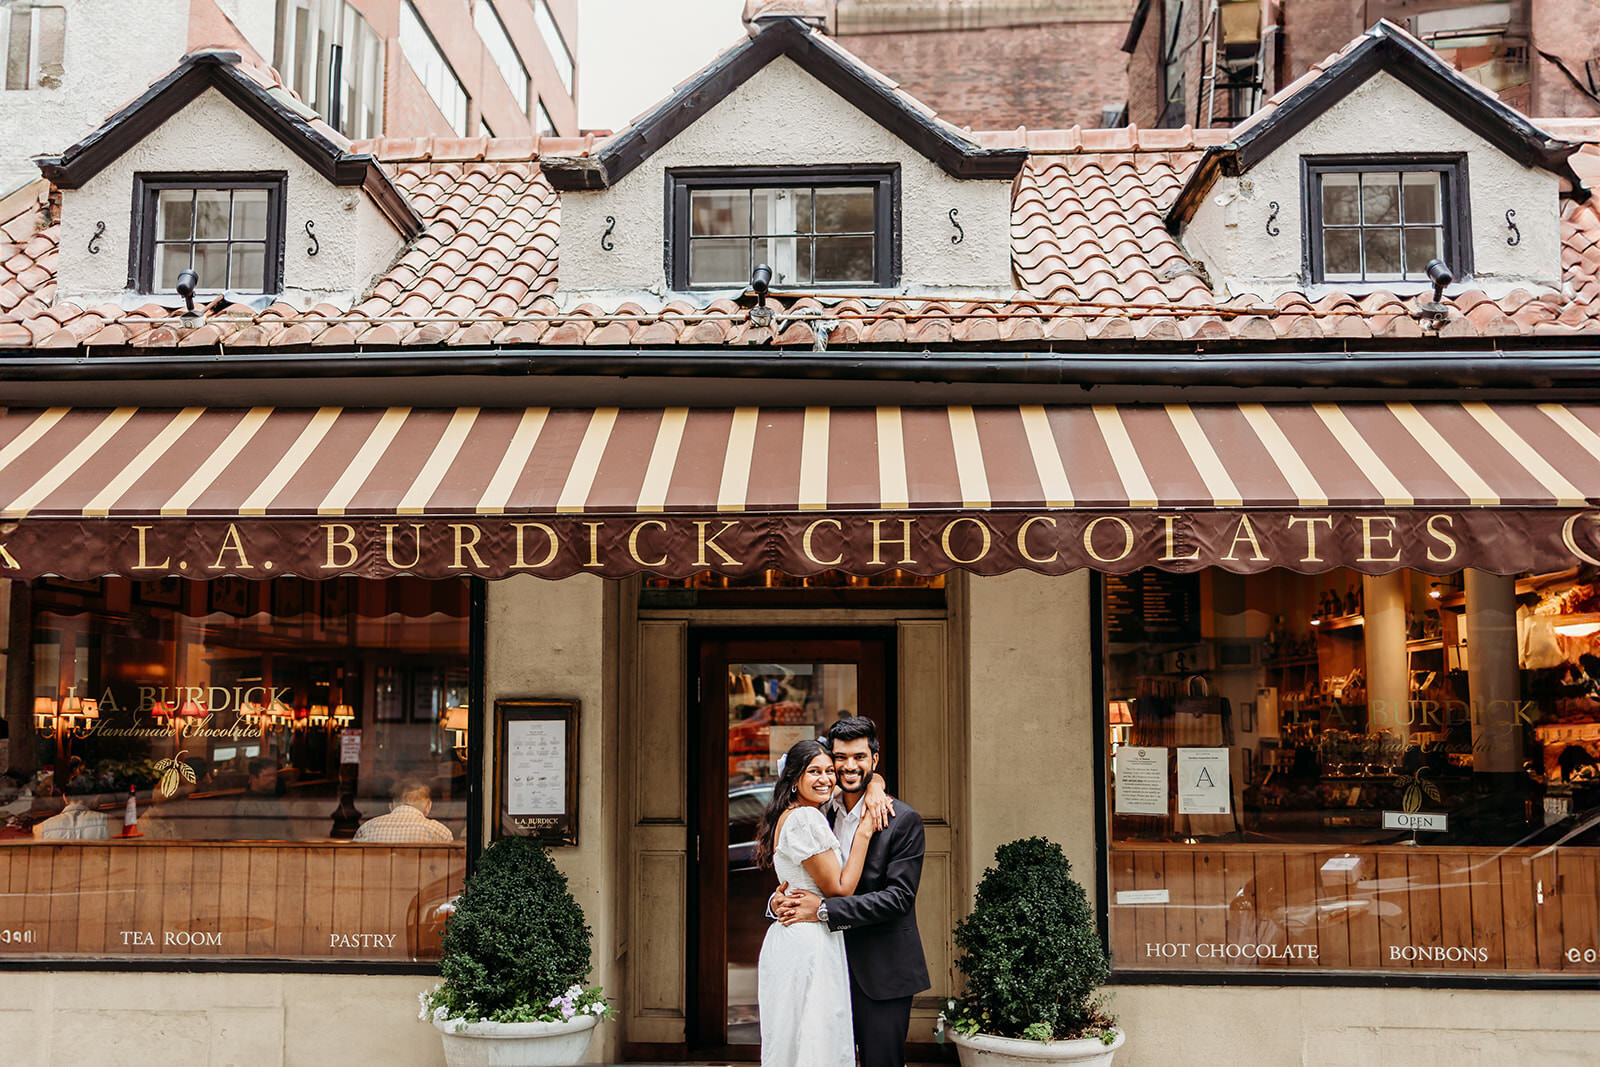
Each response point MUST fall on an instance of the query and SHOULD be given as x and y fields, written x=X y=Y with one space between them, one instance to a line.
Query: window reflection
x=236 y=711
x=1354 y=772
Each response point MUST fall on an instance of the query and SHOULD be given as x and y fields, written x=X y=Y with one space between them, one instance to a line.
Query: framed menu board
x=536 y=770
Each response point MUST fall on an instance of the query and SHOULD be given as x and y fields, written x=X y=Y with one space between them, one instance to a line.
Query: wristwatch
x=822 y=913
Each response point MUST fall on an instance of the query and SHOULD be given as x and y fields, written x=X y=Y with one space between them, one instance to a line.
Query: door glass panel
x=770 y=707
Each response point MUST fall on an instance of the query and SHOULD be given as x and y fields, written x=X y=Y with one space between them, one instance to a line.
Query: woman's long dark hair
x=795 y=762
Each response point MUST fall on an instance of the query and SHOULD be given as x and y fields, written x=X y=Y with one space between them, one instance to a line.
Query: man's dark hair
x=258 y=765
x=853 y=729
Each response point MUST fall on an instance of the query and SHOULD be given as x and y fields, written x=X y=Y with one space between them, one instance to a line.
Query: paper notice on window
x=536 y=767
x=1141 y=780
x=1203 y=782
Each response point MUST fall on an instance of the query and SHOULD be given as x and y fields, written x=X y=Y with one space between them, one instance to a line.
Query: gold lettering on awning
x=983 y=528
x=810 y=552
x=346 y=542
x=633 y=543
x=1127 y=538
x=1022 y=541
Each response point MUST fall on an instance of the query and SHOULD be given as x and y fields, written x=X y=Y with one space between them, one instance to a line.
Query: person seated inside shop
x=407 y=822
x=259 y=814
x=79 y=820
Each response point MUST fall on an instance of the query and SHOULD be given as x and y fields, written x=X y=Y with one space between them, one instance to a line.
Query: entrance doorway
x=756 y=699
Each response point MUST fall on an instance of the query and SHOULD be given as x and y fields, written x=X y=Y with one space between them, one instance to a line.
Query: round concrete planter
x=515 y=1044
x=986 y=1050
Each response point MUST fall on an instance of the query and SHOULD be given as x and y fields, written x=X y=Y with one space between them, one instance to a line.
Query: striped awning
x=136 y=462
x=261 y=467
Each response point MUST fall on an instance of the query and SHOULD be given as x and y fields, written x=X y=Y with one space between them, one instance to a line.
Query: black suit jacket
x=880 y=920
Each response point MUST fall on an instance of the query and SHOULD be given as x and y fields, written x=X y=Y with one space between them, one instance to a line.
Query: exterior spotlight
x=1440 y=276
x=760 y=282
x=188 y=281
x=1436 y=312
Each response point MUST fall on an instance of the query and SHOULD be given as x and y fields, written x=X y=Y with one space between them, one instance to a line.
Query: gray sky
x=632 y=52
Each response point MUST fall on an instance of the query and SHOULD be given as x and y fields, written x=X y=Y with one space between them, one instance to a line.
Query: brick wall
x=1315 y=29
x=1144 y=73
x=1042 y=76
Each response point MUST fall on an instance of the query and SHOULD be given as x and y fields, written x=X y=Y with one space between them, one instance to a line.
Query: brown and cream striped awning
x=1107 y=486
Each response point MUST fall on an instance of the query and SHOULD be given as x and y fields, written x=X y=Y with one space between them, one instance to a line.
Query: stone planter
x=986 y=1050
x=515 y=1044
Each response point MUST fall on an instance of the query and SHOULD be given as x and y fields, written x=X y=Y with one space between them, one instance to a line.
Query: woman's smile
x=816 y=782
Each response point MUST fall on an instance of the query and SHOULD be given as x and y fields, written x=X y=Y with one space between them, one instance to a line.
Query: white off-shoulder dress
x=804 y=981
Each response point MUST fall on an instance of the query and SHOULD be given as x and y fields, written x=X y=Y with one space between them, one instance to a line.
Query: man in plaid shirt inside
x=407 y=822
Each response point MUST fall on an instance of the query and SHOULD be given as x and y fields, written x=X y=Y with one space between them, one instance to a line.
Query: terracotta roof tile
x=1091 y=257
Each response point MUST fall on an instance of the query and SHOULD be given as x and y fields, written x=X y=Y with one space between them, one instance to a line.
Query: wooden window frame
x=884 y=178
x=142 y=243
x=1454 y=210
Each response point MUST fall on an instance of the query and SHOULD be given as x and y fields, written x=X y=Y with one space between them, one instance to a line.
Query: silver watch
x=822 y=913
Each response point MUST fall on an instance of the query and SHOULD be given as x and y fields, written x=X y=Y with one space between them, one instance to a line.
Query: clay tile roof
x=1092 y=261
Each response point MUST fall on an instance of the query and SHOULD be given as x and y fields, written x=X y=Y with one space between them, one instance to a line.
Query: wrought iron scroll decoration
x=960 y=234
x=94 y=241
x=606 y=243
x=1272 y=231
x=316 y=245
x=1516 y=235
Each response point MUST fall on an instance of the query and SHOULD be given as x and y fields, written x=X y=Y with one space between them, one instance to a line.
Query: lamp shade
x=456 y=718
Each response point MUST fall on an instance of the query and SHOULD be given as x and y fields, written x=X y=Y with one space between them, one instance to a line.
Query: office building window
x=426 y=59
x=502 y=51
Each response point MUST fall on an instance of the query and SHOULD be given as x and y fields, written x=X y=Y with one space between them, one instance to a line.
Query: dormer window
x=1382 y=219
x=227 y=228
x=814 y=227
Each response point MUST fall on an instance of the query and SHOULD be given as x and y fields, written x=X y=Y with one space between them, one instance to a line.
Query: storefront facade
x=1273 y=605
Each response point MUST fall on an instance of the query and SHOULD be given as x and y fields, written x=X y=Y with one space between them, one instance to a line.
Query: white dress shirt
x=845 y=823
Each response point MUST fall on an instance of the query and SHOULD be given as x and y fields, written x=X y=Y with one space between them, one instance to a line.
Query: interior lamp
x=455 y=720
x=44 y=713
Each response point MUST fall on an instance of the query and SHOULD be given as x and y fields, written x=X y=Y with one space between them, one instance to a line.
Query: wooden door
x=755 y=699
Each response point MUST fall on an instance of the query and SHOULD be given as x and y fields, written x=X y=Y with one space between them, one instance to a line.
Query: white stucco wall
x=784 y=117
x=114 y=50
x=1312 y=1027
x=141 y=1019
x=1028 y=639
x=355 y=240
x=1228 y=231
x=560 y=640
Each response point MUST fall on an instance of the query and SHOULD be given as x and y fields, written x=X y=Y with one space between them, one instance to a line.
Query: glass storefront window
x=234 y=768
x=1354 y=773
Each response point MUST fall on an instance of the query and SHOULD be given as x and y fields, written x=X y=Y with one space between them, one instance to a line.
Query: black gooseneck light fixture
x=760 y=282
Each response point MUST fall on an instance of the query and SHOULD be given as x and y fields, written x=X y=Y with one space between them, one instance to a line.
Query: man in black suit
x=879 y=921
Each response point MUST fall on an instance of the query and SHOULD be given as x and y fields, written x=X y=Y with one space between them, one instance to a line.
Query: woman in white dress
x=803 y=981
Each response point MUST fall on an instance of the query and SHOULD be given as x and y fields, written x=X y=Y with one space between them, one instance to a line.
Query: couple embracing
x=843 y=958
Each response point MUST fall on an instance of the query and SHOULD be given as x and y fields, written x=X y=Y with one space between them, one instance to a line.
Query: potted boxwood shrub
x=1032 y=959
x=516 y=957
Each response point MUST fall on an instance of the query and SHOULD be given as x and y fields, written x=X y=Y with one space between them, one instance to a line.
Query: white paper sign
x=350 y=746
x=536 y=767
x=1203 y=782
x=1141 y=780
x=1144 y=896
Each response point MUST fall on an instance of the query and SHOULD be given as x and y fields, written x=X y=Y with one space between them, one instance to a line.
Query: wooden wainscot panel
x=923 y=731
x=659 y=942
x=935 y=906
x=225 y=899
x=660 y=746
x=1390 y=908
